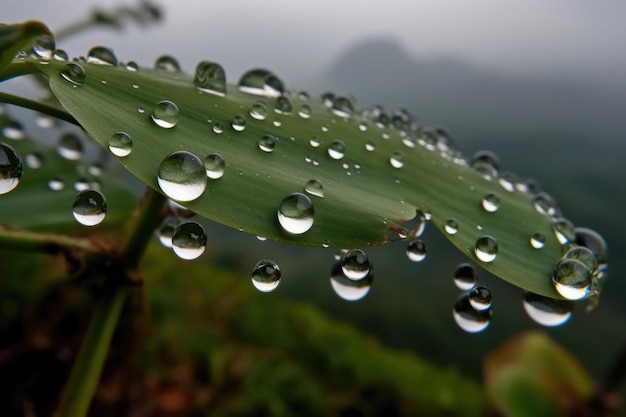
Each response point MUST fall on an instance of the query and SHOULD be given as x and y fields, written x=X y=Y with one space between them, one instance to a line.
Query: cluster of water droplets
x=472 y=311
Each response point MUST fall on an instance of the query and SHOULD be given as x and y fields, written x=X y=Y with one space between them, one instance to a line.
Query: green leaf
x=366 y=199
x=19 y=37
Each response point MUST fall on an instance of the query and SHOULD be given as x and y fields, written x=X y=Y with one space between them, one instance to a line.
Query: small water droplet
x=465 y=277
x=70 y=147
x=314 y=187
x=283 y=105
x=261 y=82
x=74 y=73
x=305 y=111
x=571 y=279
x=43 y=46
x=218 y=128
x=469 y=319
x=56 y=184
x=182 y=176
x=486 y=157
x=166 y=231
x=101 y=55
x=491 y=203
x=34 y=160
x=239 y=123
x=266 y=275
x=132 y=66
x=397 y=160
x=11 y=168
x=337 y=149
x=547 y=311
x=451 y=227
x=508 y=180
x=315 y=142
x=370 y=146
x=538 y=240
x=480 y=298
x=363 y=127
x=350 y=289
x=342 y=107
x=60 y=55
x=267 y=143
x=486 y=248
x=564 y=231
x=210 y=78
x=545 y=204
x=258 y=111
x=167 y=63
x=13 y=130
x=295 y=213
x=165 y=114
x=214 y=165
x=120 y=144
x=81 y=184
x=89 y=208
x=327 y=99
x=355 y=264
x=189 y=240
x=416 y=250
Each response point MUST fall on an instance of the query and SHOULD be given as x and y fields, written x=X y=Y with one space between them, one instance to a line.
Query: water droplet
x=572 y=279
x=43 y=46
x=508 y=180
x=486 y=157
x=451 y=227
x=584 y=255
x=70 y=147
x=480 y=298
x=60 y=55
x=593 y=241
x=485 y=170
x=166 y=231
x=74 y=73
x=132 y=66
x=355 y=264
x=89 y=208
x=337 y=149
x=167 y=63
x=468 y=319
x=465 y=277
x=363 y=127
x=295 y=213
x=283 y=105
x=370 y=146
x=261 y=82
x=564 y=231
x=56 y=184
x=545 y=204
x=266 y=275
x=81 y=184
x=538 y=240
x=327 y=99
x=491 y=203
x=34 y=160
x=349 y=289
x=267 y=143
x=13 y=130
x=11 y=168
x=315 y=142
x=486 y=248
x=314 y=187
x=397 y=160
x=258 y=111
x=238 y=123
x=214 y=165
x=547 y=311
x=342 y=107
x=101 y=55
x=189 y=240
x=165 y=114
x=210 y=78
x=218 y=128
x=182 y=176
x=120 y=144
x=416 y=250
x=305 y=111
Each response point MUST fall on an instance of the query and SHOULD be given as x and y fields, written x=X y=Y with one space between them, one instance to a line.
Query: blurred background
x=542 y=84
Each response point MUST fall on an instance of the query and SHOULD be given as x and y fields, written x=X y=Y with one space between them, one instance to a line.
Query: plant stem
x=37 y=106
x=23 y=240
x=93 y=352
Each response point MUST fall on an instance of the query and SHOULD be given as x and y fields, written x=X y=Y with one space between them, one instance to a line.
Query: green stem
x=37 y=106
x=23 y=240
x=17 y=69
x=93 y=352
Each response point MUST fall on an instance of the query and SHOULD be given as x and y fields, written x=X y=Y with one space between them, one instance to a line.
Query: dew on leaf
x=60 y=55
x=342 y=107
x=210 y=78
x=315 y=142
x=314 y=187
x=584 y=255
x=591 y=240
x=218 y=128
x=120 y=144
x=572 y=279
x=337 y=150
x=545 y=204
x=267 y=143
x=90 y=207
x=214 y=165
x=56 y=184
x=167 y=63
x=283 y=105
x=305 y=111
x=166 y=230
x=451 y=227
x=43 y=46
x=34 y=160
x=397 y=160
x=266 y=275
x=11 y=168
x=486 y=248
x=564 y=231
x=537 y=240
x=258 y=111
x=132 y=66
x=296 y=213
x=370 y=146
x=73 y=73
x=165 y=114
x=189 y=240
x=261 y=82
x=101 y=55
x=182 y=176
x=491 y=203
x=238 y=123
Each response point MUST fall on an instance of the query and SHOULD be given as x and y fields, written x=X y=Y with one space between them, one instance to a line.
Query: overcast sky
x=296 y=39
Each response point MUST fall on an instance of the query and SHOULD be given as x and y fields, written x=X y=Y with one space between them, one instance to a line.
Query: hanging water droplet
x=34 y=160
x=295 y=213
x=70 y=147
x=210 y=78
x=120 y=144
x=491 y=203
x=214 y=165
x=397 y=160
x=314 y=187
x=546 y=311
x=166 y=231
x=355 y=264
x=182 y=176
x=261 y=82
x=564 y=231
x=469 y=319
x=451 y=227
x=13 y=130
x=11 y=168
x=305 y=111
x=165 y=114
x=465 y=277
x=349 y=289
x=283 y=105
x=584 y=255
x=593 y=241
x=571 y=279
x=267 y=143
x=266 y=275
x=189 y=240
x=416 y=250
x=258 y=111
x=480 y=298
x=538 y=240
x=167 y=63
x=89 y=208
x=101 y=55
x=239 y=123
x=218 y=128
x=337 y=150
x=370 y=146
x=56 y=184
x=545 y=204
x=74 y=73
x=486 y=248
x=342 y=107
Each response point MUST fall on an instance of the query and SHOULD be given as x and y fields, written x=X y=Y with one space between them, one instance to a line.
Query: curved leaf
x=19 y=37
x=365 y=196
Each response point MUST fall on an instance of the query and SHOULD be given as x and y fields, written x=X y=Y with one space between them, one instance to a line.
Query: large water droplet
x=480 y=298
x=491 y=203
x=337 y=149
x=451 y=227
x=465 y=277
x=189 y=240
x=89 y=208
x=210 y=78
x=486 y=248
x=43 y=46
x=349 y=289
x=165 y=114
x=314 y=187
x=267 y=143
x=469 y=319
x=295 y=213
x=120 y=144
x=214 y=165
x=547 y=311
x=182 y=176
x=355 y=264
x=70 y=147
x=416 y=250
x=266 y=275
x=397 y=160
x=564 y=231
x=261 y=82
x=167 y=63
x=572 y=279
x=538 y=240
x=11 y=168
x=74 y=73
x=101 y=55
x=342 y=107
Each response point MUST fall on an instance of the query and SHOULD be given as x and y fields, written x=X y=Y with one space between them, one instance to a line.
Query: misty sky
x=297 y=39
